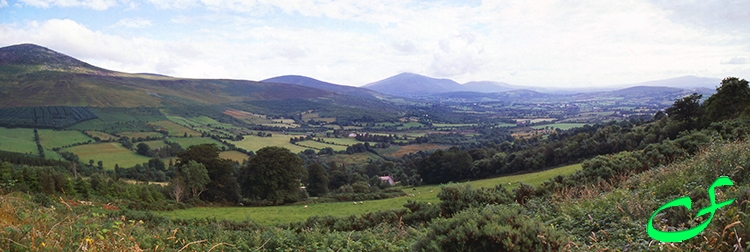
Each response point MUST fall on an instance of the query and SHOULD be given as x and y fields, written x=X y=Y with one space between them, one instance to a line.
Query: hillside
x=314 y=83
x=410 y=84
x=488 y=86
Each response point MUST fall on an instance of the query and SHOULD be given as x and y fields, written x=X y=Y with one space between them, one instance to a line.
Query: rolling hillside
x=314 y=83
x=410 y=84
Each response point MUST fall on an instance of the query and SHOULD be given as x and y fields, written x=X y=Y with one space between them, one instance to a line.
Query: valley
x=408 y=162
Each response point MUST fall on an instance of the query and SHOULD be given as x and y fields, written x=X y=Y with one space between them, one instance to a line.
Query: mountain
x=34 y=76
x=410 y=84
x=314 y=83
x=637 y=91
x=684 y=82
x=488 y=86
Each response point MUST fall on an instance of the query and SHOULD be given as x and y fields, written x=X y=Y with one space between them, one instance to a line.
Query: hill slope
x=314 y=83
x=31 y=75
x=410 y=84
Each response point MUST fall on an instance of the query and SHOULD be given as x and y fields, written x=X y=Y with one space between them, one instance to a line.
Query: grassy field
x=101 y=135
x=562 y=126
x=291 y=213
x=175 y=129
x=400 y=151
x=190 y=141
x=109 y=153
x=18 y=140
x=233 y=155
x=319 y=145
x=344 y=141
x=59 y=138
x=255 y=143
x=139 y=134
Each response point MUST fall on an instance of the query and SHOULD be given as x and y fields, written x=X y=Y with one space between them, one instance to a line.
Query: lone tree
x=273 y=174
x=195 y=176
x=317 y=182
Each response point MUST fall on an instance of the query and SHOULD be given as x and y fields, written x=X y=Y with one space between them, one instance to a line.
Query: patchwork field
x=17 y=140
x=100 y=135
x=290 y=213
x=234 y=155
x=109 y=153
x=139 y=134
x=190 y=141
x=319 y=145
x=59 y=138
x=562 y=126
x=400 y=151
x=174 y=129
x=255 y=143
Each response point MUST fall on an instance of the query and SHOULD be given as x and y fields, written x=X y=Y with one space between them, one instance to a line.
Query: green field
x=140 y=134
x=234 y=155
x=344 y=141
x=109 y=153
x=190 y=141
x=255 y=143
x=18 y=140
x=101 y=135
x=562 y=126
x=290 y=213
x=319 y=145
x=174 y=129
x=59 y=138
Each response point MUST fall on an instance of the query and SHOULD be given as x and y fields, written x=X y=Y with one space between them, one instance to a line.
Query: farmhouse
x=387 y=179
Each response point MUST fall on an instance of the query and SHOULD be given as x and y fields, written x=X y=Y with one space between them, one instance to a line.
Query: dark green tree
x=687 y=110
x=730 y=100
x=223 y=185
x=143 y=149
x=445 y=166
x=317 y=182
x=195 y=176
x=273 y=174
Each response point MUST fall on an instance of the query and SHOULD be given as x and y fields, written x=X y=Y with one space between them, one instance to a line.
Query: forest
x=629 y=168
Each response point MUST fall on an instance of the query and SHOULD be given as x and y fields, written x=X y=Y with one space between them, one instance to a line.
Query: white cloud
x=3 y=3
x=91 y=4
x=735 y=61
x=133 y=23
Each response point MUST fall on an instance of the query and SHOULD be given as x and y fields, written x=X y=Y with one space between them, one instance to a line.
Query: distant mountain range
x=31 y=75
x=415 y=85
x=314 y=83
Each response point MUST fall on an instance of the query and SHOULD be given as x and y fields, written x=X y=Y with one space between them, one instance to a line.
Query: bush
x=493 y=228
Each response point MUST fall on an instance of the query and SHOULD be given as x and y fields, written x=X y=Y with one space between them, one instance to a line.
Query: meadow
x=17 y=140
x=319 y=145
x=274 y=215
x=255 y=143
x=174 y=129
x=562 y=126
x=100 y=135
x=58 y=138
x=109 y=153
x=234 y=155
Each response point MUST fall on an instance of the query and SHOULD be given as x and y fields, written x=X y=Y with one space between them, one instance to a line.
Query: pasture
x=18 y=140
x=59 y=138
x=255 y=143
x=174 y=129
x=562 y=126
x=100 y=135
x=319 y=145
x=190 y=141
x=290 y=213
x=140 y=134
x=109 y=153
x=233 y=155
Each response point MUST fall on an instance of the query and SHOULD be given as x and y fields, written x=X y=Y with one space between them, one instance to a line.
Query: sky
x=547 y=43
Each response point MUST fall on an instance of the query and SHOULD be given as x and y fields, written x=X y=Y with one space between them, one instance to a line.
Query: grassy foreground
x=291 y=213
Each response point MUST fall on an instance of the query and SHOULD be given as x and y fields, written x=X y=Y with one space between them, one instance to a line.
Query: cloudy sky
x=565 y=43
